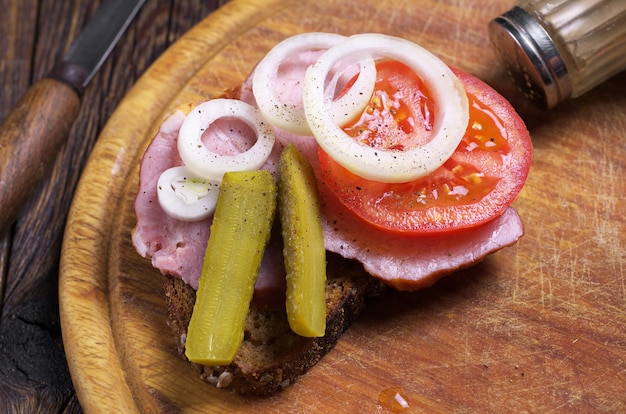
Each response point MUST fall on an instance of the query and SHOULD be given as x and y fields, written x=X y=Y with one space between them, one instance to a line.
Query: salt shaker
x=560 y=49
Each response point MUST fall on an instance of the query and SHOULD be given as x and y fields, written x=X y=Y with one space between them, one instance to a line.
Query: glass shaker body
x=560 y=49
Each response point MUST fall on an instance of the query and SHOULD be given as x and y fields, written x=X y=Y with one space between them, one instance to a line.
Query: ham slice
x=414 y=263
x=405 y=263
x=175 y=247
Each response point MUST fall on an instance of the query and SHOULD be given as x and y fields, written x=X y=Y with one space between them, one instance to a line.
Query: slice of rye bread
x=271 y=356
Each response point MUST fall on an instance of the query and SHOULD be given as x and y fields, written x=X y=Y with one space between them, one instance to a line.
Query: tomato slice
x=481 y=179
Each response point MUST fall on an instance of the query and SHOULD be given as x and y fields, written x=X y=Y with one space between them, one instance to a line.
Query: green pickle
x=239 y=234
x=304 y=252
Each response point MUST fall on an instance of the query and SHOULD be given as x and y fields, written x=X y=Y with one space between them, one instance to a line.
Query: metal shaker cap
x=531 y=57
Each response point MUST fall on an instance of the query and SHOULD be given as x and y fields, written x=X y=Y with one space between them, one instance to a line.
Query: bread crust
x=271 y=356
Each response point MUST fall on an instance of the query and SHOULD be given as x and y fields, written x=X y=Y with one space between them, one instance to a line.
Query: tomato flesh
x=477 y=184
x=400 y=112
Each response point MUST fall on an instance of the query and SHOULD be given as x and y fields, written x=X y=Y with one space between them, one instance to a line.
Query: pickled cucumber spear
x=304 y=252
x=239 y=234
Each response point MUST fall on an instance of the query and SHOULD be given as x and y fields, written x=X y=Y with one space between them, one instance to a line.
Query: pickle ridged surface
x=304 y=252
x=239 y=234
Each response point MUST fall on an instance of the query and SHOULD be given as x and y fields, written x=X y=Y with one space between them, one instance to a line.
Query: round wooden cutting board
x=537 y=327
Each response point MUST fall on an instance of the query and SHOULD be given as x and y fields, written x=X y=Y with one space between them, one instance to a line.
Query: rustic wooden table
x=33 y=34
x=539 y=327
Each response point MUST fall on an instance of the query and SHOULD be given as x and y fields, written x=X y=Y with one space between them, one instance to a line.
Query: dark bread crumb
x=271 y=356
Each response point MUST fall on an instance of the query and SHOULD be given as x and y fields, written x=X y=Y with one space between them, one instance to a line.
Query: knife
x=36 y=128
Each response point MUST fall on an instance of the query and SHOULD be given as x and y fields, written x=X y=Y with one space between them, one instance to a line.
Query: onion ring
x=290 y=117
x=184 y=196
x=383 y=165
x=210 y=165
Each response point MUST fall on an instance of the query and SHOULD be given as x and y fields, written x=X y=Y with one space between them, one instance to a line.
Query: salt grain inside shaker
x=560 y=49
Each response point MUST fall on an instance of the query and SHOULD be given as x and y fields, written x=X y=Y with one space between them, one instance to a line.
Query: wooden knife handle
x=30 y=138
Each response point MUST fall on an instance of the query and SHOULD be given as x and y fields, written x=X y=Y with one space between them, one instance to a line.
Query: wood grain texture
x=34 y=375
x=538 y=327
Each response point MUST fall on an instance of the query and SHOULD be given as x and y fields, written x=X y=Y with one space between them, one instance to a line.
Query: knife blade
x=35 y=129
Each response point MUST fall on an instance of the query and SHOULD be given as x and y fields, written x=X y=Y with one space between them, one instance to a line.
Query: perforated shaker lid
x=531 y=57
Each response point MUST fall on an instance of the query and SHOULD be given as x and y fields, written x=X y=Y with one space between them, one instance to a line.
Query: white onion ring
x=291 y=118
x=392 y=166
x=351 y=103
x=210 y=165
x=184 y=196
